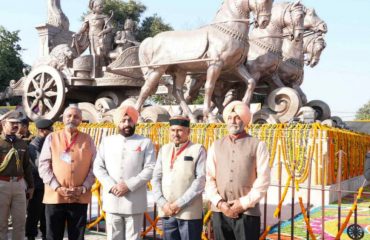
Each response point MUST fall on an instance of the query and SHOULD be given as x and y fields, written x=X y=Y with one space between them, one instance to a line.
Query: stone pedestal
x=51 y=36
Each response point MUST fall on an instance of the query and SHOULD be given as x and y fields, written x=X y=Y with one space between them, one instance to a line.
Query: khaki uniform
x=15 y=177
x=28 y=137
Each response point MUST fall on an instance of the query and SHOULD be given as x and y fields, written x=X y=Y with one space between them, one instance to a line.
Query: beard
x=127 y=131
x=71 y=125
x=235 y=129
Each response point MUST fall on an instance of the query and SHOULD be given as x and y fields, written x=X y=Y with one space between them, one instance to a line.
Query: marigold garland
x=293 y=143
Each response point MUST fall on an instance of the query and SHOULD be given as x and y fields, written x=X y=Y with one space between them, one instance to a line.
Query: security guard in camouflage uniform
x=16 y=181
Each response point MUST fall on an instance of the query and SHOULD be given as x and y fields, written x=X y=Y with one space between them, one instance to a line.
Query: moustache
x=128 y=131
x=71 y=125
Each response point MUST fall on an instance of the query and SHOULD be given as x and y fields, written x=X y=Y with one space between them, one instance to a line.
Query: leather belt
x=10 y=179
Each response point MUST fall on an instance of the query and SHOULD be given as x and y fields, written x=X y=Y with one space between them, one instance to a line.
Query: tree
x=132 y=9
x=364 y=112
x=152 y=26
x=123 y=10
x=11 y=64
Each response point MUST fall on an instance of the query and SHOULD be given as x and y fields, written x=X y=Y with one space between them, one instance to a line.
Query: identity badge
x=66 y=157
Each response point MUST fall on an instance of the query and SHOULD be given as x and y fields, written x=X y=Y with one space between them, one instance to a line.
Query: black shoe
x=30 y=238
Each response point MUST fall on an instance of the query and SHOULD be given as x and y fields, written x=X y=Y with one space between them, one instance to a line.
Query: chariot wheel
x=322 y=109
x=43 y=93
x=89 y=112
x=155 y=114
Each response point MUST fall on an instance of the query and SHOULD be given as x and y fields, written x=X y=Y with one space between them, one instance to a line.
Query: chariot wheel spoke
x=34 y=104
x=51 y=94
x=34 y=84
x=48 y=103
x=42 y=80
x=31 y=94
x=41 y=108
x=49 y=84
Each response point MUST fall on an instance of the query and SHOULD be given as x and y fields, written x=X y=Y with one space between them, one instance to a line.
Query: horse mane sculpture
x=220 y=46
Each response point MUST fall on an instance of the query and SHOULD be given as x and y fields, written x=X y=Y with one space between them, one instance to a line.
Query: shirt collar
x=128 y=138
x=180 y=145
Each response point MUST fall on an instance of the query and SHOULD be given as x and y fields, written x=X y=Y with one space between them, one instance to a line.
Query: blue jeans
x=178 y=229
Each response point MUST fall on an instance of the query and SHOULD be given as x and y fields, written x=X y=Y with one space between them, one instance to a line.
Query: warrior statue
x=124 y=39
x=98 y=29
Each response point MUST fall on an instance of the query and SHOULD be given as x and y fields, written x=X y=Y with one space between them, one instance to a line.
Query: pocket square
x=188 y=158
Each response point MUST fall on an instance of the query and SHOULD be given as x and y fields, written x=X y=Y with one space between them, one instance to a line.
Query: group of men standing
x=234 y=175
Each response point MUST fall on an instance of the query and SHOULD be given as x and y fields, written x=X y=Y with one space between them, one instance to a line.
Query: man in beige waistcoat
x=178 y=182
x=65 y=166
x=238 y=176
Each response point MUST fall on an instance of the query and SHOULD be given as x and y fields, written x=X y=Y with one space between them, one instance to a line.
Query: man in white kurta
x=124 y=164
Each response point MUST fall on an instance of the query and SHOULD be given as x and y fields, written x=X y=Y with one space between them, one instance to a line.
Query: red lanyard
x=173 y=157
x=69 y=146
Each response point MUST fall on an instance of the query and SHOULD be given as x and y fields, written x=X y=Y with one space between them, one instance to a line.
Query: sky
x=341 y=79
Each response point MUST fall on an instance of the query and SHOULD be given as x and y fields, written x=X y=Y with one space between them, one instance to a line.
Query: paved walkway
x=88 y=236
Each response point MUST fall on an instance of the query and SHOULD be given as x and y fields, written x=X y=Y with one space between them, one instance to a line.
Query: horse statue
x=312 y=47
x=220 y=46
x=225 y=91
x=313 y=23
x=264 y=54
x=291 y=70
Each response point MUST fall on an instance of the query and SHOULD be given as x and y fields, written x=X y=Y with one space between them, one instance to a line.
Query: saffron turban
x=125 y=110
x=240 y=108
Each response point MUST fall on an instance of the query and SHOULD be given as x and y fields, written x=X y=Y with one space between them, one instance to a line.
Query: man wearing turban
x=238 y=176
x=124 y=164
x=178 y=183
